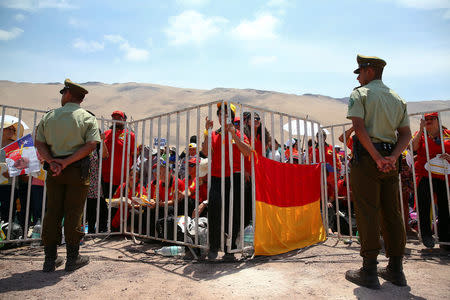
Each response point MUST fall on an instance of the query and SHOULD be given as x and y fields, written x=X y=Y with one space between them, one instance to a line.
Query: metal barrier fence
x=144 y=208
x=176 y=128
x=410 y=201
x=136 y=199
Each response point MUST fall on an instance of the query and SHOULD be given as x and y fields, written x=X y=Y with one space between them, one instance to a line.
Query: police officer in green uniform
x=65 y=137
x=381 y=124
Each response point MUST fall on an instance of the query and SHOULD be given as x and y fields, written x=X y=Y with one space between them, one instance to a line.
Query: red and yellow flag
x=287 y=207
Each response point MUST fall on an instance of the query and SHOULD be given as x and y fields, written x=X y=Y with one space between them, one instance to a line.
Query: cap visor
x=356 y=71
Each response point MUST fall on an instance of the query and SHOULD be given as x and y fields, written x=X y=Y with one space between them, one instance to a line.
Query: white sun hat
x=438 y=166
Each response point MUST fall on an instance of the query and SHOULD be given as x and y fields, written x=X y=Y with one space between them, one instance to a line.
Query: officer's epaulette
x=357 y=87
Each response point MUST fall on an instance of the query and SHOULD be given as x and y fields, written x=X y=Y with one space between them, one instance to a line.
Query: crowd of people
x=112 y=181
x=167 y=183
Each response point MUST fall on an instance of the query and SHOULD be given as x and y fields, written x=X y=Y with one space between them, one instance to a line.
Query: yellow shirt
x=67 y=129
x=381 y=108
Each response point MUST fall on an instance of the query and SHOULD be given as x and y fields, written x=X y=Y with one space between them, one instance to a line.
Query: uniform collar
x=71 y=104
x=376 y=82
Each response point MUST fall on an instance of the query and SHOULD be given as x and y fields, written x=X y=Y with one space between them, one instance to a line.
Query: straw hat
x=13 y=121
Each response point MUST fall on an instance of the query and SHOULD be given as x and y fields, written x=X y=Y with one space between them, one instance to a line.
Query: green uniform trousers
x=377 y=206
x=66 y=196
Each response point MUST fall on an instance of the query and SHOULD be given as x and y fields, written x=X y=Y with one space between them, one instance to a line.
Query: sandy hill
x=141 y=100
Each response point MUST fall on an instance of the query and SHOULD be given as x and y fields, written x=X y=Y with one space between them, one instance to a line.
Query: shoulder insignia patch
x=350 y=103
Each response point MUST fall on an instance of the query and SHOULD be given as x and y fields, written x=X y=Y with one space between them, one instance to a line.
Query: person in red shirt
x=287 y=152
x=115 y=223
x=221 y=137
x=172 y=194
x=328 y=154
x=258 y=128
x=431 y=123
x=121 y=139
x=257 y=147
x=328 y=149
x=192 y=186
x=348 y=138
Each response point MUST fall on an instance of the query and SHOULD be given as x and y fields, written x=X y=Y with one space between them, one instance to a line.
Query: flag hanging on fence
x=21 y=157
x=287 y=207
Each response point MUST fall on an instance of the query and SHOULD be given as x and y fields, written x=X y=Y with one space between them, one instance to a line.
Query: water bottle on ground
x=36 y=234
x=248 y=236
x=171 y=251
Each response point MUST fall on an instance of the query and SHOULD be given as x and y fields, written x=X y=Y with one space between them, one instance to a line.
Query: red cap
x=433 y=114
x=119 y=113
x=237 y=120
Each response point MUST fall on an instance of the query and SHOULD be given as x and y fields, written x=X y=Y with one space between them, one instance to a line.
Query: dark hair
x=193 y=139
x=76 y=96
x=226 y=109
x=247 y=116
x=377 y=70
x=324 y=134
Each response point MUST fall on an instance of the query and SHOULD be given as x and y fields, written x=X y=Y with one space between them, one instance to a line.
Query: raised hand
x=422 y=124
x=230 y=128
x=152 y=203
x=209 y=124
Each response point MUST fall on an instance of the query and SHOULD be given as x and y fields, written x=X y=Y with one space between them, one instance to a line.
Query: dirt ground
x=122 y=269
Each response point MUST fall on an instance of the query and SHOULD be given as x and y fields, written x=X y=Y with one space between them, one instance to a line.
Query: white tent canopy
x=309 y=127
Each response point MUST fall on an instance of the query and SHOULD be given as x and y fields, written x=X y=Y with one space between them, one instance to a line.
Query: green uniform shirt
x=381 y=108
x=67 y=129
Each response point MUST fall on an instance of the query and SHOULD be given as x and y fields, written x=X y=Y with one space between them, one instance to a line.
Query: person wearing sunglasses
x=257 y=128
x=192 y=186
x=129 y=192
x=430 y=122
x=173 y=196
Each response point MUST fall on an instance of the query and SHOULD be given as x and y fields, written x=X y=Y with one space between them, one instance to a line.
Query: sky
x=288 y=46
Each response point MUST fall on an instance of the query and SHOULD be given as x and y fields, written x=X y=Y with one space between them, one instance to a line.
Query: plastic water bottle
x=36 y=234
x=248 y=236
x=171 y=251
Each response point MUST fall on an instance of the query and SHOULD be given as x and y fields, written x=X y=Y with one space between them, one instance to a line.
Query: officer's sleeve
x=40 y=132
x=92 y=132
x=405 y=120
x=355 y=105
